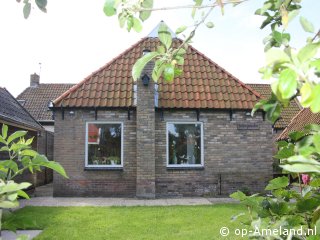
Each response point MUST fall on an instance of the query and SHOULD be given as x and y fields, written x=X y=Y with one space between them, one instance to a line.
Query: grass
x=170 y=222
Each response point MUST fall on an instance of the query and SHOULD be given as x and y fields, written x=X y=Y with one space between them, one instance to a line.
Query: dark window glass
x=184 y=143
x=104 y=144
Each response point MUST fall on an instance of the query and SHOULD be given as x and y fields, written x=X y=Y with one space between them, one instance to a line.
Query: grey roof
x=12 y=112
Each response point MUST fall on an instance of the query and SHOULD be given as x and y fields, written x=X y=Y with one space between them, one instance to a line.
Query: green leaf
x=137 y=26
x=23 y=194
x=8 y=204
x=238 y=195
x=4 y=131
x=109 y=8
x=305 y=205
x=316 y=64
x=315 y=104
x=280 y=182
x=122 y=19
x=276 y=55
x=285 y=153
x=26 y=10
x=272 y=110
x=29 y=152
x=288 y=83
x=209 y=24
x=157 y=70
x=129 y=23
x=298 y=168
x=315 y=182
x=168 y=72
x=16 y=135
x=307 y=26
x=181 y=29
x=144 y=15
x=164 y=35
x=295 y=136
x=141 y=63
x=302 y=159
x=306 y=95
x=42 y=4
x=308 y=52
x=316 y=141
x=55 y=166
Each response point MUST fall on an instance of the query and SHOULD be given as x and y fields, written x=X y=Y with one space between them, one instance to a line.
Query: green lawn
x=170 y=222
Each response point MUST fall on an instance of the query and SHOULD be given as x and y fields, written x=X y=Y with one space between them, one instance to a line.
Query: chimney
x=34 y=80
x=146 y=135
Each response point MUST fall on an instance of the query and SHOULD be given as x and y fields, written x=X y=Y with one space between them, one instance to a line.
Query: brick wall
x=69 y=150
x=233 y=158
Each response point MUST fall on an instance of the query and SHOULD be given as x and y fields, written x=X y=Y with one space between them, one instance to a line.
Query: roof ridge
x=231 y=75
x=75 y=87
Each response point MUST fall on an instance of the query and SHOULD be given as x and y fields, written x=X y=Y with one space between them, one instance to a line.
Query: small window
x=104 y=143
x=184 y=144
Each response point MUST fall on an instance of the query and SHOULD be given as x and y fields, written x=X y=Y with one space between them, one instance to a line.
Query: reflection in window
x=104 y=144
x=184 y=143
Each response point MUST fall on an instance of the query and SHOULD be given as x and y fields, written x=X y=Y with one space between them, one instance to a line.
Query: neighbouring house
x=287 y=113
x=192 y=137
x=302 y=119
x=38 y=96
x=17 y=118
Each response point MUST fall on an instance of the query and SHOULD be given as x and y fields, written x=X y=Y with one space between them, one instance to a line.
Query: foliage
x=140 y=222
x=20 y=158
x=291 y=206
x=41 y=4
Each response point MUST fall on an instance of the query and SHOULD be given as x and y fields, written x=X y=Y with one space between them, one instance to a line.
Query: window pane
x=104 y=144
x=184 y=143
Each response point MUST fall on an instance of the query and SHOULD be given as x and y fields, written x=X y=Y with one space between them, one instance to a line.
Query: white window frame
x=86 y=146
x=202 y=147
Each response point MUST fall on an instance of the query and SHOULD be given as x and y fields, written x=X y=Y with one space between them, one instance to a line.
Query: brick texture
x=233 y=158
x=146 y=137
x=69 y=150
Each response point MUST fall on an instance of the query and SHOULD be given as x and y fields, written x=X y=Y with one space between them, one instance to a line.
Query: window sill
x=103 y=168
x=185 y=167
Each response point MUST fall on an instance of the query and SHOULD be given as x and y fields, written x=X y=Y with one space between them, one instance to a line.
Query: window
x=184 y=144
x=104 y=143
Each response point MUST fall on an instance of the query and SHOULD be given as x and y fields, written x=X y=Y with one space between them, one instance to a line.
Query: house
x=287 y=113
x=192 y=137
x=17 y=118
x=302 y=119
x=38 y=96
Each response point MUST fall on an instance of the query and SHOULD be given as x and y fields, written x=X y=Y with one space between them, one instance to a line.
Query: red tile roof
x=36 y=99
x=203 y=84
x=302 y=119
x=287 y=114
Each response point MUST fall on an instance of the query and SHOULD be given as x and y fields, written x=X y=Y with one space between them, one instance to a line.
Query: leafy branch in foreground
x=168 y=59
x=41 y=4
x=20 y=158
x=290 y=206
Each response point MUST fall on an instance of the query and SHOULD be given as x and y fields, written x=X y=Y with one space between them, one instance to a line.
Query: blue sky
x=75 y=38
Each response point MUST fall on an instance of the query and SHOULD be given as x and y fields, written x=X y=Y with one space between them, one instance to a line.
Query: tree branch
x=193 y=6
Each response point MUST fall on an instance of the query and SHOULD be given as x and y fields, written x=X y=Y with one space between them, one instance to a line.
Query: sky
x=74 y=38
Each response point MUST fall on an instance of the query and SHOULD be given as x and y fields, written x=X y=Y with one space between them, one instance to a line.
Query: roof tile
x=302 y=119
x=203 y=84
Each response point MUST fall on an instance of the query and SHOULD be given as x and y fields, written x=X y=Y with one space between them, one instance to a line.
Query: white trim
x=202 y=147
x=86 y=146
